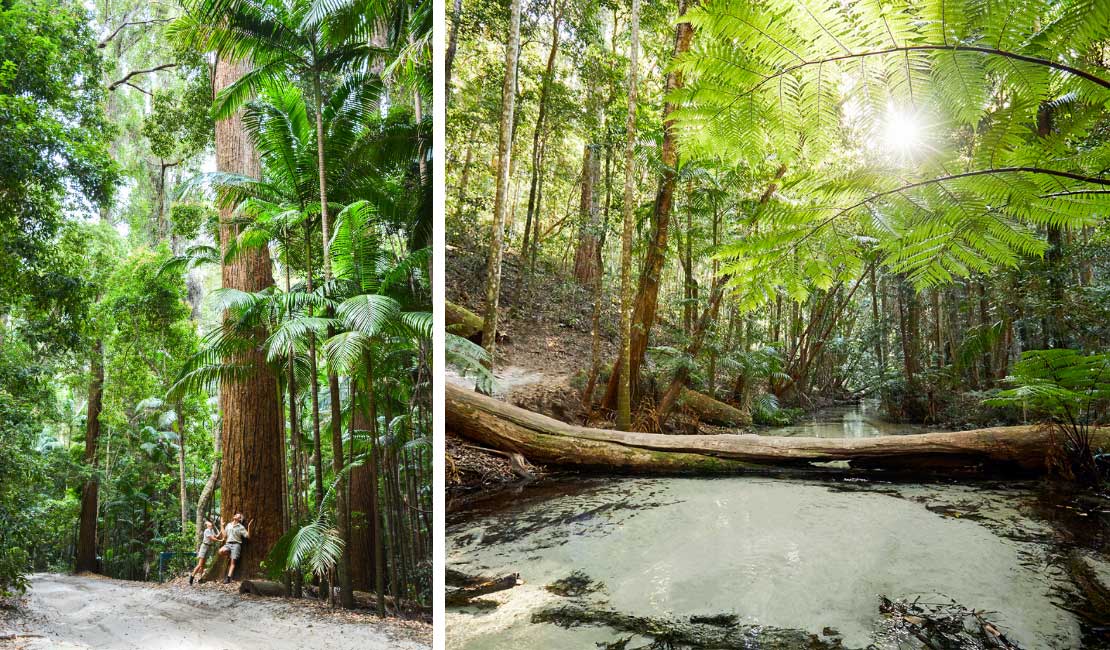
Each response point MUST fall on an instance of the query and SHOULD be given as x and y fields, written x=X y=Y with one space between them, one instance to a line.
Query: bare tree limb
x=108 y=39
x=134 y=73
x=142 y=90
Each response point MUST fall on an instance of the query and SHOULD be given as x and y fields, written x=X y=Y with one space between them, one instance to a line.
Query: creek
x=789 y=562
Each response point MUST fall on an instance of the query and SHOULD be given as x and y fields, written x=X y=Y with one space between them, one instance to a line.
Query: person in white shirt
x=234 y=533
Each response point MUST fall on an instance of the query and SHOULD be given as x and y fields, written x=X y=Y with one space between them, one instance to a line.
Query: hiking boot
x=227 y=580
x=191 y=580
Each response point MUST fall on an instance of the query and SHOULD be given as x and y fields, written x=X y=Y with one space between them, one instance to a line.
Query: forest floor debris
x=944 y=626
x=84 y=613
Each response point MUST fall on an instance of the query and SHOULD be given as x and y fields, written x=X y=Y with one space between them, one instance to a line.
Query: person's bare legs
x=199 y=568
x=230 y=568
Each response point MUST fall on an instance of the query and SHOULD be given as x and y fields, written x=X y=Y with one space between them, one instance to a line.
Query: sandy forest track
x=66 y=612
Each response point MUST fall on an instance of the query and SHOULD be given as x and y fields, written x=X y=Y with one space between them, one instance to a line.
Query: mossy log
x=461 y=321
x=493 y=423
x=713 y=411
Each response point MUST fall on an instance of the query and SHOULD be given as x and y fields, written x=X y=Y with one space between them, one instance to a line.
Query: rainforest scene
x=777 y=324
x=215 y=324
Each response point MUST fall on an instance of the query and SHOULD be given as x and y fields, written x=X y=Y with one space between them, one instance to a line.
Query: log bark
x=713 y=411
x=1001 y=450
x=462 y=322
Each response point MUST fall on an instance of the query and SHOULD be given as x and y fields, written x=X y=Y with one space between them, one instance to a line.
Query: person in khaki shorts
x=208 y=540
x=234 y=534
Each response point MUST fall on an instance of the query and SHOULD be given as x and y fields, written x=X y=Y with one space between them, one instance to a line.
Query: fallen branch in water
x=476 y=587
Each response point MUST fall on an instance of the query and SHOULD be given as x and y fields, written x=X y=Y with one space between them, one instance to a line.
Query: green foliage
x=1071 y=390
x=1067 y=386
x=1002 y=99
x=179 y=125
x=52 y=124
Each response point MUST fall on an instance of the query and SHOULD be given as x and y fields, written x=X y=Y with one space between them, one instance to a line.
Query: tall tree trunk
x=464 y=179
x=364 y=494
x=697 y=338
x=647 y=294
x=452 y=47
x=878 y=323
x=1057 y=278
x=537 y=153
x=314 y=382
x=501 y=198
x=586 y=267
x=183 y=494
x=86 y=536
x=209 y=489
x=623 y=373
x=251 y=426
x=346 y=597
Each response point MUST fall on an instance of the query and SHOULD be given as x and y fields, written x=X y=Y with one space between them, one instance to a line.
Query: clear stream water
x=807 y=556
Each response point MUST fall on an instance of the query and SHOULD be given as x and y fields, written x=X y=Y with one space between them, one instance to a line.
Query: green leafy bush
x=1071 y=391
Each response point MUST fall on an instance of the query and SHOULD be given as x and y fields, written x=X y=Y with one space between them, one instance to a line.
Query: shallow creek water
x=862 y=420
x=790 y=558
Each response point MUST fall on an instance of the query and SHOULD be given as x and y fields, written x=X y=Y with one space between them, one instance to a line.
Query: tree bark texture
x=251 y=435
x=501 y=202
x=647 y=294
x=622 y=371
x=587 y=253
x=86 y=537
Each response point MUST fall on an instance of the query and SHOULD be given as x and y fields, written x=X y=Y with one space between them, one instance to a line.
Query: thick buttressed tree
x=251 y=436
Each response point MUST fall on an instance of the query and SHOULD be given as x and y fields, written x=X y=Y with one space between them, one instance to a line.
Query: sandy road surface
x=67 y=612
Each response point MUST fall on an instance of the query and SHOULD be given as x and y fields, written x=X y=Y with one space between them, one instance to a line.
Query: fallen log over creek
x=540 y=439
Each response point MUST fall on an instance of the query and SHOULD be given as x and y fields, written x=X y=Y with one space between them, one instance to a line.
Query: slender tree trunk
x=183 y=496
x=375 y=507
x=501 y=199
x=697 y=338
x=647 y=295
x=251 y=426
x=346 y=597
x=209 y=489
x=86 y=536
x=452 y=47
x=878 y=323
x=624 y=392
x=537 y=155
x=586 y=268
x=464 y=179
x=314 y=382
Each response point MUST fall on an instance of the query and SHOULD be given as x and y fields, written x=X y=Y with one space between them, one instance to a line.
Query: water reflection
x=863 y=420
